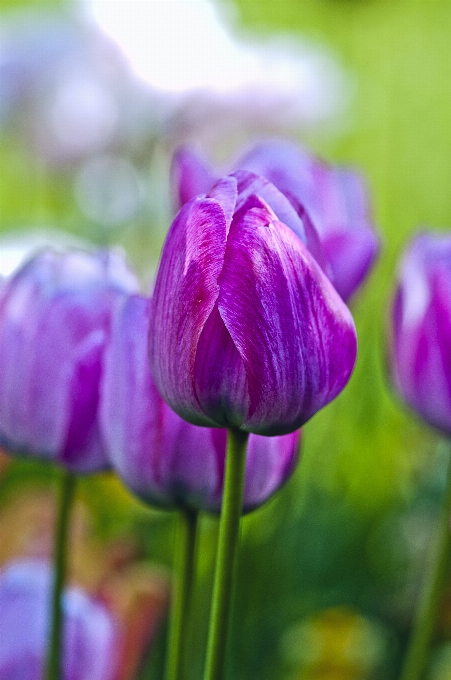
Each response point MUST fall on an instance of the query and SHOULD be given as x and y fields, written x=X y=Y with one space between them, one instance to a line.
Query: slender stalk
x=184 y=568
x=54 y=651
x=232 y=503
x=429 y=599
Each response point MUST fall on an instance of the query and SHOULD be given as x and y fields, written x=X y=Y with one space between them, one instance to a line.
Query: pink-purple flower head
x=55 y=315
x=421 y=329
x=90 y=631
x=334 y=197
x=163 y=459
x=246 y=330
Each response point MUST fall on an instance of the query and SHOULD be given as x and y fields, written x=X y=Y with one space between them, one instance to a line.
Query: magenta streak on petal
x=185 y=294
x=305 y=349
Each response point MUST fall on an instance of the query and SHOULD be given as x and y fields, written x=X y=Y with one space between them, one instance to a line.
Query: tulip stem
x=184 y=569
x=229 y=528
x=54 y=652
x=429 y=599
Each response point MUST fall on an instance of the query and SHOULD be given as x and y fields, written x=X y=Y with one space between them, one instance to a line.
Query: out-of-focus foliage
x=352 y=527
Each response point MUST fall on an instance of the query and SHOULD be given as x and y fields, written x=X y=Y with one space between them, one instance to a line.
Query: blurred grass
x=365 y=459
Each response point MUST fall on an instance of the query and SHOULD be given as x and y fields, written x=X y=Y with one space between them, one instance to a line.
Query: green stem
x=54 y=655
x=229 y=527
x=429 y=599
x=184 y=567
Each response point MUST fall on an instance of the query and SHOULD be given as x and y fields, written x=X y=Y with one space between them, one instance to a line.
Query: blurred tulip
x=334 y=197
x=162 y=458
x=90 y=631
x=421 y=329
x=246 y=331
x=55 y=315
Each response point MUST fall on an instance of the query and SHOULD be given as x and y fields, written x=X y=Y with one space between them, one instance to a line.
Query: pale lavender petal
x=270 y=463
x=185 y=294
x=351 y=255
x=304 y=351
x=191 y=176
x=286 y=165
x=131 y=409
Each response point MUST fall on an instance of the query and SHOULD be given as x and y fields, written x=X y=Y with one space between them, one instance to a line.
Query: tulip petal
x=422 y=330
x=190 y=176
x=130 y=407
x=185 y=295
x=270 y=462
x=220 y=382
x=304 y=351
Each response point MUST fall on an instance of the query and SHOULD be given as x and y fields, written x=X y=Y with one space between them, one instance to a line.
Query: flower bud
x=55 y=315
x=246 y=331
x=421 y=329
x=163 y=459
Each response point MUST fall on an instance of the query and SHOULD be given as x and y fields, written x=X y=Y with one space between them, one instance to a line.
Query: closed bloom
x=421 y=329
x=55 y=315
x=162 y=458
x=246 y=330
x=90 y=630
x=334 y=197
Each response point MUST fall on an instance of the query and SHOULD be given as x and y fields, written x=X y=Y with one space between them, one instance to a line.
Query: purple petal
x=54 y=315
x=185 y=294
x=91 y=633
x=295 y=336
x=270 y=462
x=421 y=359
x=191 y=176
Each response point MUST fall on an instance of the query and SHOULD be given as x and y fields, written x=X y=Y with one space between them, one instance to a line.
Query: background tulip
x=90 y=632
x=421 y=329
x=334 y=197
x=55 y=315
x=246 y=331
x=162 y=458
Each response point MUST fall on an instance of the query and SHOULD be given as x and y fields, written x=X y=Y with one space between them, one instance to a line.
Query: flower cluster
x=246 y=336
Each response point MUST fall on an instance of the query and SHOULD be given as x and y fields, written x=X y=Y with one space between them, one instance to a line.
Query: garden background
x=329 y=569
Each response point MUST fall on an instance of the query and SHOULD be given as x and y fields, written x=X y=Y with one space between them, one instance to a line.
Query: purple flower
x=335 y=198
x=246 y=331
x=162 y=458
x=55 y=315
x=421 y=329
x=90 y=631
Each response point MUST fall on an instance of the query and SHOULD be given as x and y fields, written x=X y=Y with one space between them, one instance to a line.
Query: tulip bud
x=90 y=630
x=421 y=329
x=246 y=331
x=163 y=459
x=55 y=316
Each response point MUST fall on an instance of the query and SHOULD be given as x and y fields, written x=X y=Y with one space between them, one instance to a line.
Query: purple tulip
x=162 y=458
x=421 y=332
x=55 y=314
x=334 y=197
x=246 y=331
x=90 y=631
